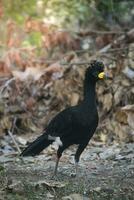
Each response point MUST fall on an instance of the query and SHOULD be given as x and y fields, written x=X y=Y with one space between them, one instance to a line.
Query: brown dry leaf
x=74 y=98
x=55 y=67
x=107 y=101
x=47 y=41
x=33 y=73
x=69 y=57
x=130 y=119
x=103 y=40
x=30 y=103
x=58 y=87
x=12 y=59
x=129 y=110
x=55 y=70
x=62 y=39
x=14 y=34
x=121 y=117
x=100 y=90
x=15 y=57
x=118 y=95
x=5 y=123
x=5 y=71
x=32 y=25
x=123 y=132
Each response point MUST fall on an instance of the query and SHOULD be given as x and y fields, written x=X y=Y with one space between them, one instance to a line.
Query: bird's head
x=96 y=70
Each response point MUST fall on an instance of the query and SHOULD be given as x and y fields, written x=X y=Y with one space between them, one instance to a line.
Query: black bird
x=74 y=125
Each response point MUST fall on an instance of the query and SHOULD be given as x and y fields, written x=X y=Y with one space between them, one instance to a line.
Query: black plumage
x=74 y=125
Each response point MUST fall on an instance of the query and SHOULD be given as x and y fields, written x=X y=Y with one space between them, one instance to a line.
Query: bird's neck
x=89 y=91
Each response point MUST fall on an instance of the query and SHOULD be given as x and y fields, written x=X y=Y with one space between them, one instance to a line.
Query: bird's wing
x=61 y=124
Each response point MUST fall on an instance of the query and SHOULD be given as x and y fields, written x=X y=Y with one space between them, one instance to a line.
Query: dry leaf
x=107 y=101
x=30 y=103
x=50 y=183
x=32 y=73
x=74 y=99
x=5 y=71
x=118 y=95
x=129 y=110
x=123 y=132
x=55 y=70
x=121 y=117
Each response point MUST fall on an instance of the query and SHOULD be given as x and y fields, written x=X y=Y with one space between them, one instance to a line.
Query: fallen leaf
x=74 y=98
x=50 y=183
x=107 y=101
x=33 y=73
x=30 y=103
x=129 y=110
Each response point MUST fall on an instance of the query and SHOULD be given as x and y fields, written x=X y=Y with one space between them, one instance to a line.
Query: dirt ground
x=105 y=172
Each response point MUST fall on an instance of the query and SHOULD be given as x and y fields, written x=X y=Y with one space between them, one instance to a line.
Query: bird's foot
x=74 y=174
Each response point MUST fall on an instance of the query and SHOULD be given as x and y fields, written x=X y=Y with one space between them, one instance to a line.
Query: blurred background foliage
x=72 y=15
x=73 y=12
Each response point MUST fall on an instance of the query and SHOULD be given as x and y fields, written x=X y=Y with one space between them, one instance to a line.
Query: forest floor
x=105 y=173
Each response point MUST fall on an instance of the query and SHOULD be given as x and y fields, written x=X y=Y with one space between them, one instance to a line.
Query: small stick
x=12 y=137
x=6 y=84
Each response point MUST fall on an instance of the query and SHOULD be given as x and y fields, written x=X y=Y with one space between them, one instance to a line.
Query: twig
x=6 y=84
x=104 y=49
x=88 y=32
x=129 y=34
x=109 y=57
x=116 y=49
x=12 y=137
x=75 y=63
x=104 y=32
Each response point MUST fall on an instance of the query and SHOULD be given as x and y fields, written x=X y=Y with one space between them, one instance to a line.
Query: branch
x=12 y=137
x=6 y=84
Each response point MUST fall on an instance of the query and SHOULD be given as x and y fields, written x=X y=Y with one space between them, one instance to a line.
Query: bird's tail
x=36 y=146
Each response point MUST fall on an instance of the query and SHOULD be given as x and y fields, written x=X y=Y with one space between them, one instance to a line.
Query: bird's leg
x=59 y=154
x=80 y=149
x=74 y=174
x=76 y=167
x=56 y=165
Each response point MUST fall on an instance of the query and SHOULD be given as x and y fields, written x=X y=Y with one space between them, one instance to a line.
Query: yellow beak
x=101 y=75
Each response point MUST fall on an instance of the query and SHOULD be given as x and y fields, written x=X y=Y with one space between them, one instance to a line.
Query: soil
x=105 y=172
